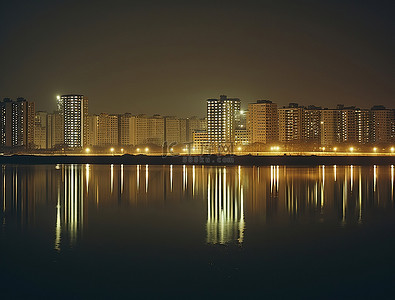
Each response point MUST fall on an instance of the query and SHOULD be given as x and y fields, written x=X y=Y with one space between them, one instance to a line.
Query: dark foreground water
x=105 y=231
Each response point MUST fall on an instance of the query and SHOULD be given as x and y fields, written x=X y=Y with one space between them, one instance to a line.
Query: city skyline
x=143 y=55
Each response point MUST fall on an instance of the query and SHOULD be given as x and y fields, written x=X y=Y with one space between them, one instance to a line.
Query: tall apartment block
x=107 y=130
x=17 y=123
x=222 y=116
x=329 y=125
x=290 y=123
x=75 y=116
x=311 y=132
x=262 y=122
x=127 y=130
x=382 y=120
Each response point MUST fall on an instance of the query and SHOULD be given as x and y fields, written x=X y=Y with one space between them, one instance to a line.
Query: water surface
x=196 y=231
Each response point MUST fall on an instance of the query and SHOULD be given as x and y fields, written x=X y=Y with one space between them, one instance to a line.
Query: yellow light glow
x=239 y=148
x=392 y=149
x=58 y=97
x=171 y=149
x=112 y=149
x=351 y=149
x=146 y=149
x=138 y=149
x=335 y=149
x=87 y=150
x=374 y=149
x=323 y=148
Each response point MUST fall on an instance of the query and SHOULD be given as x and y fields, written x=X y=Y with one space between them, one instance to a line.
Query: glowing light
x=138 y=149
x=87 y=150
x=392 y=149
x=112 y=150
x=146 y=149
x=239 y=148
x=58 y=97
x=323 y=148
x=171 y=149
x=335 y=149
x=351 y=149
x=375 y=149
x=122 y=150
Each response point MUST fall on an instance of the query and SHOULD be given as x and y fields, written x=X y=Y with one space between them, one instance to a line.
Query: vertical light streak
x=146 y=178
x=183 y=177
x=121 y=178
x=138 y=177
x=4 y=190
x=360 y=196
x=193 y=180
x=241 y=223
x=271 y=179
x=344 y=210
x=392 y=182
x=278 y=177
x=323 y=186
x=58 y=223
x=374 y=177
x=112 y=178
x=334 y=172
x=352 y=177
x=171 y=177
x=87 y=177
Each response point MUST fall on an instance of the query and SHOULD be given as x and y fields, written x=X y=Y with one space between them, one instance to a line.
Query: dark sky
x=168 y=57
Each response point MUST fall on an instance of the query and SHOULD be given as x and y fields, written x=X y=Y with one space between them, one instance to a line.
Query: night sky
x=168 y=57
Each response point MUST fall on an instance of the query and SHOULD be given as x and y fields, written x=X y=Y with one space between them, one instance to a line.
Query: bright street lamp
x=87 y=150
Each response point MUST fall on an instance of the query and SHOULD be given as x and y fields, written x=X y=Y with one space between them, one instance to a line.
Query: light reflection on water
x=233 y=196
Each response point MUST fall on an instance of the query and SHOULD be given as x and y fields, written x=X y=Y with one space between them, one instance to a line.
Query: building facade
x=222 y=116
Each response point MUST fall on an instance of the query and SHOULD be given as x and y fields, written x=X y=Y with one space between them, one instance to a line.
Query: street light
x=146 y=149
x=392 y=149
x=335 y=149
x=239 y=148
x=138 y=149
x=122 y=150
x=351 y=149
x=112 y=150
x=87 y=150
x=375 y=149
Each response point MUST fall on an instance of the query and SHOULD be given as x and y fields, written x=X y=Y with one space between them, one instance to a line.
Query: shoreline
x=210 y=160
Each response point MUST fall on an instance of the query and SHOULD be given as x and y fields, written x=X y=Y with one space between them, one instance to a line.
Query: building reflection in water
x=225 y=207
x=232 y=196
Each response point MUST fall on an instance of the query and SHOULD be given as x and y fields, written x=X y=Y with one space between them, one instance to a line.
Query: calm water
x=193 y=231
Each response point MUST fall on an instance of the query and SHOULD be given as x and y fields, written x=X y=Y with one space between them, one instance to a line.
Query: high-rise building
x=172 y=130
x=290 y=120
x=311 y=132
x=156 y=130
x=17 y=123
x=127 y=129
x=363 y=126
x=262 y=122
x=107 y=130
x=381 y=124
x=141 y=129
x=93 y=126
x=75 y=116
x=347 y=125
x=55 y=130
x=329 y=119
x=222 y=115
x=40 y=130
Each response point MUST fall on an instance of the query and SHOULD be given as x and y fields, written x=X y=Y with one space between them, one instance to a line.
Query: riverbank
x=215 y=160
